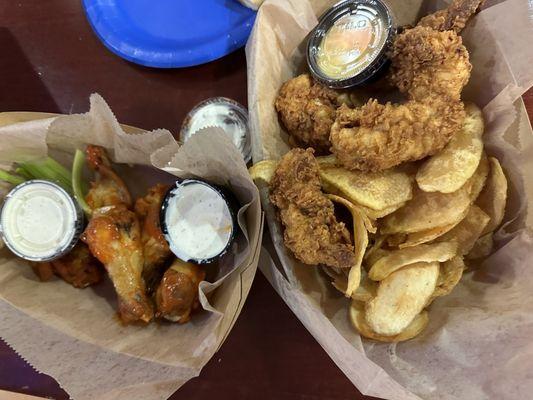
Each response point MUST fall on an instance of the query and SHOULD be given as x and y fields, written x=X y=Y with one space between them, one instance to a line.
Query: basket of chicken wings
x=126 y=256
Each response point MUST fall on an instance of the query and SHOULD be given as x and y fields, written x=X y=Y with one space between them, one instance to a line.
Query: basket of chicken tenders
x=122 y=250
x=393 y=155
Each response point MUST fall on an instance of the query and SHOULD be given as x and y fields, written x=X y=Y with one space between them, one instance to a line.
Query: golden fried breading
x=376 y=136
x=452 y=18
x=307 y=110
x=312 y=231
x=431 y=67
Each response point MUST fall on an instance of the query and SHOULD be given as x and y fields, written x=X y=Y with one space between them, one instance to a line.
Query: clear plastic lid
x=349 y=45
x=223 y=113
x=40 y=221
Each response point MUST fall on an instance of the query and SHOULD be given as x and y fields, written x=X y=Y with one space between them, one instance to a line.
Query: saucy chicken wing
x=78 y=267
x=312 y=231
x=108 y=188
x=155 y=247
x=114 y=237
x=177 y=294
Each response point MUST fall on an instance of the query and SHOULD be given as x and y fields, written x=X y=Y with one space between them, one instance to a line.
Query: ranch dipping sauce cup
x=198 y=220
x=40 y=221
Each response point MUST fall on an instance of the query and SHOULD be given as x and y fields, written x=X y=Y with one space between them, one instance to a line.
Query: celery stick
x=20 y=171
x=77 y=183
x=58 y=169
x=13 y=179
x=49 y=170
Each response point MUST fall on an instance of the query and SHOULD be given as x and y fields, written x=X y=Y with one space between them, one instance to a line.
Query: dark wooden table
x=52 y=62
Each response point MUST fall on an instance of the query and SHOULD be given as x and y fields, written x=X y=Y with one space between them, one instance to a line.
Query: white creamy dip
x=38 y=220
x=198 y=222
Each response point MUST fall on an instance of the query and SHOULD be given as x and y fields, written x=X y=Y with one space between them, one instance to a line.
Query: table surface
x=52 y=62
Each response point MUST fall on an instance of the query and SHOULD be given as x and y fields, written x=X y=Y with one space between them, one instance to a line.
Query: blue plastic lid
x=170 y=33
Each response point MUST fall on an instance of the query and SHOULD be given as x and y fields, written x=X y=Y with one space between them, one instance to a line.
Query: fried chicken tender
x=155 y=247
x=177 y=295
x=114 y=237
x=307 y=110
x=312 y=231
x=431 y=67
x=453 y=18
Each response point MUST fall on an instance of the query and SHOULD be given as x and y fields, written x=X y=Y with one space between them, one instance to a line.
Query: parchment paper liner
x=74 y=335
x=478 y=345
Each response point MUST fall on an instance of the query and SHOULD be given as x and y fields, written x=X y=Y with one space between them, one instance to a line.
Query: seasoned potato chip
x=467 y=231
x=375 y=190
x=479 y=179
x=401 y=297
x=378 y=243
x=429 y=210
x=482 y=248
x=375 y=256
x=366 y=290
x=396 y=259
x=360 y=242
x=376 y=214
x=450 y=274
x=449 y=169
x=396 y=239
x=493 y=197
x=416 y=238
x=263 y=170
x=357 y=317
x=338 y=279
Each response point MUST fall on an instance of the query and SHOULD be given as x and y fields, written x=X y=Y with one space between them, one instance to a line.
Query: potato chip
x=478 y=180
x=375 y=190
x=339 y=281
x=482 y=248
x=450 y=274
x=366 y=290
x=378 y=243
x=376 y=214
x=416 y=238
x=396 y=259
x=396 y=239
x=429 y=210
x=449 y=169
x=263 y=170
x=467 y=231
x=375 y=256
x=493 y=197
x=401 y=297
x=357 y=317
x=360 y=242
